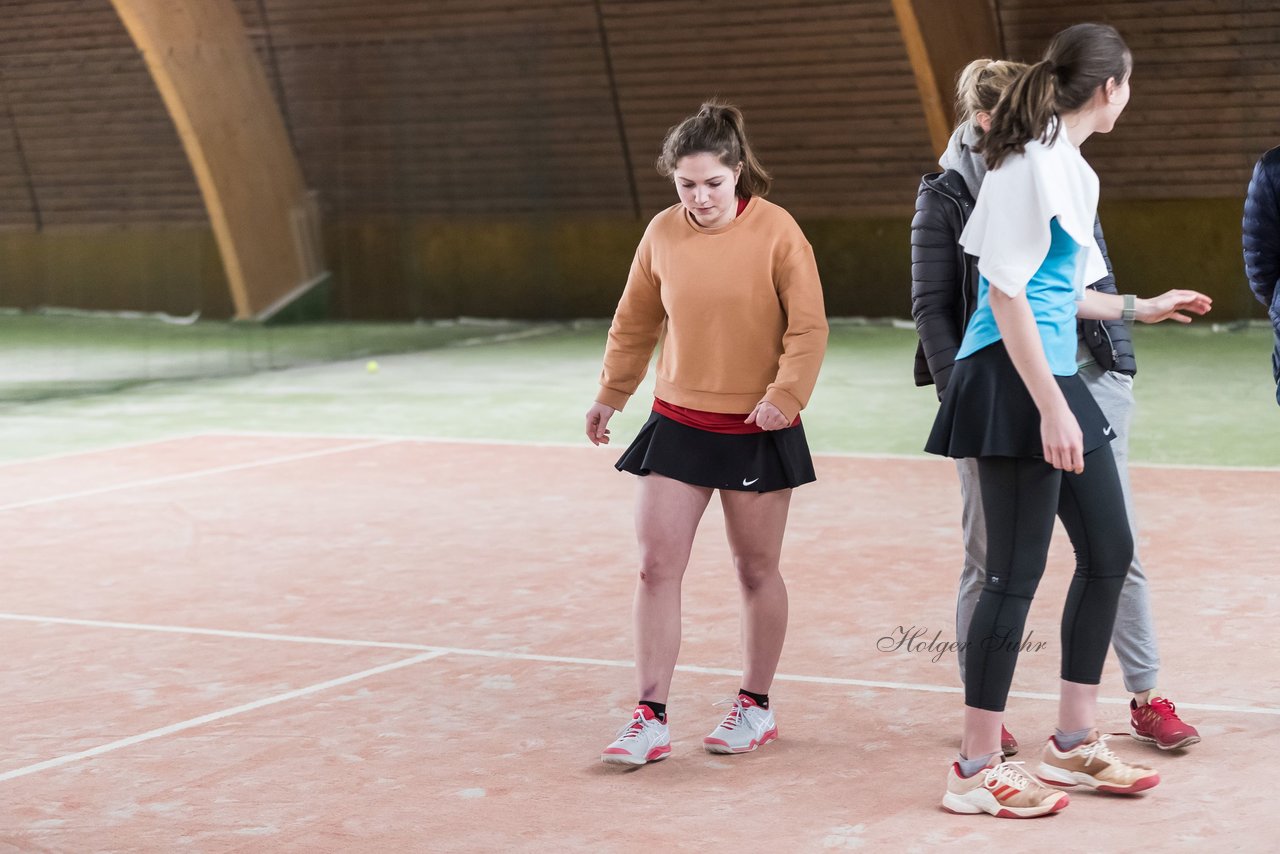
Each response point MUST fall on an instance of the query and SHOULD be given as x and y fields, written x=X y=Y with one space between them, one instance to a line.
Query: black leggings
x=1020 y=497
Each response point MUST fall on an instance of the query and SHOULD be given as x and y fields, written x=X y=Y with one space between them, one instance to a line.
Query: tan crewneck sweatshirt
x=739 y=310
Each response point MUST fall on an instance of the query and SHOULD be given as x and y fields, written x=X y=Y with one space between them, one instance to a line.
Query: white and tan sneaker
x=1092 y=763
x=1004 y=790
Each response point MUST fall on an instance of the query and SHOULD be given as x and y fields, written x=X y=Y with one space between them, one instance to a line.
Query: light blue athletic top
x=1052 y=294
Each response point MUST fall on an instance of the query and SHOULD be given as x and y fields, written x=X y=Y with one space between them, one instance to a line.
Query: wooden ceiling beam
x=942 y=37
x=216 y=92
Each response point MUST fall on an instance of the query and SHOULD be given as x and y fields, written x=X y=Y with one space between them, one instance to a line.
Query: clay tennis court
x=301 y=305
x=254 y=642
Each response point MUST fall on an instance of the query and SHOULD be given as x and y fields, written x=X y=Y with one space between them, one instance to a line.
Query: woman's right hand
x=1063 y=441
x=597 y=423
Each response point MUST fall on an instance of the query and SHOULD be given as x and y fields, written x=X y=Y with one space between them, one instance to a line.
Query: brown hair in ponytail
x=718 y=128
x=1078 y=61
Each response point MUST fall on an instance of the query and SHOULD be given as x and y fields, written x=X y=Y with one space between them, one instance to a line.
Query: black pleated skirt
x=988 y=412
x=749 y=462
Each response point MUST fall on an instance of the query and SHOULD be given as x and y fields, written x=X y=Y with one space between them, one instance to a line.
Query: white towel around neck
x=1009 y=228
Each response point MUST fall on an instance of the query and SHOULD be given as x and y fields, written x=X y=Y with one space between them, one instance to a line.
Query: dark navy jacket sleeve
x=1262 y=231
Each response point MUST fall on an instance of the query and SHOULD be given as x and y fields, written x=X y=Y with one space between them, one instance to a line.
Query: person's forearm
x=1099 y=306
x=1176 y=304
x=1022 y=340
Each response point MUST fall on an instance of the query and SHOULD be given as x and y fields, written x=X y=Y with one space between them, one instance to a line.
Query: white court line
x=218 y=633
x=585 y=446
x=214 y=716
x=395 y=437
x=174 y=478
x=581 y=446
x=591 y=662
x=104 y=449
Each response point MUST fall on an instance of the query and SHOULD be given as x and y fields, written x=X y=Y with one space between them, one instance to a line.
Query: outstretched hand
x=1170 y=305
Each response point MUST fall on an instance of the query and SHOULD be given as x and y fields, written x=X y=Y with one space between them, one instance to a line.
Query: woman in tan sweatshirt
x=729 y=284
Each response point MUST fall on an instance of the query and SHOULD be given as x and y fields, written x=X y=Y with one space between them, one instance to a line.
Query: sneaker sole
x=958 y=805
x=721 y=747
x=658 y=753
x=1146 y=739
x=1063 y=779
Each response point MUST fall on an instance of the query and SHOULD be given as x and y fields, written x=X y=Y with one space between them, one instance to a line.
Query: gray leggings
x=1134 y=638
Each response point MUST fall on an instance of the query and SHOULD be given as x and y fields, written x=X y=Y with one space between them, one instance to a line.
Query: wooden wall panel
x=16 y=208
x=463 y=108
x=828 y=92
x=499 y=108
x=100 y=145
x=1205 y=100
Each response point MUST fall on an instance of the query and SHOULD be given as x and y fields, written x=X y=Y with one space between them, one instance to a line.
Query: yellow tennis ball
x=371 y=367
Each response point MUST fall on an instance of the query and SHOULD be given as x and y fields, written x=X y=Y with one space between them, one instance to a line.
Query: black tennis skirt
x=988 y=412
x=748 y=462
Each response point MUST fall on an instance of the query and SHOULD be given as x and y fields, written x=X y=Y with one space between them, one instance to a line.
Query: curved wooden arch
x=265 y=221
x=942 y=37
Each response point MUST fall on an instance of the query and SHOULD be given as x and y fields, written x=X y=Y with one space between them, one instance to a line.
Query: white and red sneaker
x=746 y=727
x=1004 y=790
x=644 y=739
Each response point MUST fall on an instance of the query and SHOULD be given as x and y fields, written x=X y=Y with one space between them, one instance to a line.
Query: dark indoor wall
x=494 y=157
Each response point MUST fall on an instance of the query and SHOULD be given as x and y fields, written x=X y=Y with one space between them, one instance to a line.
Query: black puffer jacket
x=1262 y=233
x=944 y=280
x=1110 y=341
x=944 y=286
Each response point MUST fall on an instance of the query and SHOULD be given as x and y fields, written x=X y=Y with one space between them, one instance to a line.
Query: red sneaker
x=1008 y=744
x=1158 y=723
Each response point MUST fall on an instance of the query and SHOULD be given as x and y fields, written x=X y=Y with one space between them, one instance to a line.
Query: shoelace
x=734 y=717
x=633 y=729
x=1007 y=774
x=1162 y=708
x=1099 y=750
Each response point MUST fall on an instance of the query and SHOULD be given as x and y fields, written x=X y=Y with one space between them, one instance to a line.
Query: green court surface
x=1204 y=396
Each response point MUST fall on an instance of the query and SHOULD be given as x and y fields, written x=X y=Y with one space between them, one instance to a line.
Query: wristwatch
x=1130 y=310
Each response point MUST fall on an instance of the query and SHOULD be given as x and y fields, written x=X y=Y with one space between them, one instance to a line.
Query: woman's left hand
x=766 y=416
x=1170 y=305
